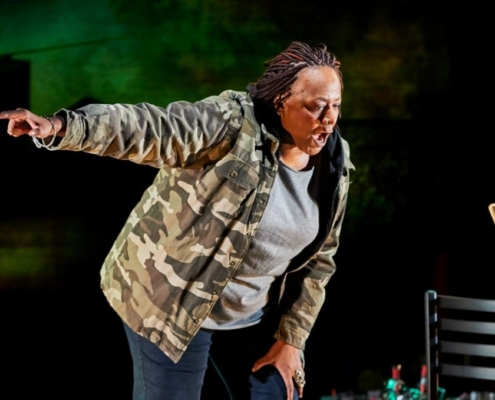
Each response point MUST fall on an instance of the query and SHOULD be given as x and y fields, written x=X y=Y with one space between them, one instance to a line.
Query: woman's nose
x=329 y=118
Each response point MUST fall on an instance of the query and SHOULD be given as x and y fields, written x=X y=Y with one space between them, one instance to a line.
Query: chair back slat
x=460 y=303
x=460 y=325
x=469 y=349
x=468 y=371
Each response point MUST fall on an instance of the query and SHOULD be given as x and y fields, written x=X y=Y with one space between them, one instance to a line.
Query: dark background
x=416 y=112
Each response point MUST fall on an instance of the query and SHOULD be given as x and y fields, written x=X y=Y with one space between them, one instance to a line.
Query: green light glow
x=32 y=251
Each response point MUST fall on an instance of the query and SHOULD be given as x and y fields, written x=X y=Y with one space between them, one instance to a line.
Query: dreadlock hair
x=273 y=87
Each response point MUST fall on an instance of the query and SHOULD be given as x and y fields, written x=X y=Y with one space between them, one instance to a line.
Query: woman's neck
x=294 y=158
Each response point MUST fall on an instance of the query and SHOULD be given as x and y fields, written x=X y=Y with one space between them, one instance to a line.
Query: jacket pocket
x=237 y=172
x=227 y=189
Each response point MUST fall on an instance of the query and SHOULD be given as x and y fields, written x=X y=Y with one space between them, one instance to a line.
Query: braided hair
x=273 y=87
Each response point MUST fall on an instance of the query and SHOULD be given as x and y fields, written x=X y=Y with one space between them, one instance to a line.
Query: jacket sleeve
x=304 y=289
x=146 y=134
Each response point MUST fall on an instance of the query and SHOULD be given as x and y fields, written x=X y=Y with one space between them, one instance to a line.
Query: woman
x=237 y=231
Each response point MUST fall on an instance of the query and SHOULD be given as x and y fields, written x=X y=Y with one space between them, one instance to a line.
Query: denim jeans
x=156 y=377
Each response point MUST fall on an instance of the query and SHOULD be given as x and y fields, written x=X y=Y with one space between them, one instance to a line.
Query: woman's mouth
x=321 y=138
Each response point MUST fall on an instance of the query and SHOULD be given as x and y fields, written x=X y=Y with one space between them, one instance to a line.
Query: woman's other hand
x=287 y=360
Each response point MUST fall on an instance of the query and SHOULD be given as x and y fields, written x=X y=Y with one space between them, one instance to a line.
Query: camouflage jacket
x=188 y=234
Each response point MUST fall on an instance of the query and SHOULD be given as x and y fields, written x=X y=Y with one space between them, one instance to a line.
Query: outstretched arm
x=178 y=135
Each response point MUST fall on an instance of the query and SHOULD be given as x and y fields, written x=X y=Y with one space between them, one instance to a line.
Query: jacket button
x=232 y=263
x=234 y=174
x=196 y=321
x=214 y=293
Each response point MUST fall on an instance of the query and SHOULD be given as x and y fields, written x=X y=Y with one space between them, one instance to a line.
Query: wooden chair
x=460 y=345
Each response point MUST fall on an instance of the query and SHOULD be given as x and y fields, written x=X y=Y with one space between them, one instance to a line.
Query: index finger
x=12 y=114
x=4 y=114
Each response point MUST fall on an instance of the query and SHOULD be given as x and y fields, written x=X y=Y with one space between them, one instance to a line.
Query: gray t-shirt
x=289 y=224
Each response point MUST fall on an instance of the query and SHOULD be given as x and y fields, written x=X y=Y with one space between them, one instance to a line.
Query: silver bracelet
x=41 y=142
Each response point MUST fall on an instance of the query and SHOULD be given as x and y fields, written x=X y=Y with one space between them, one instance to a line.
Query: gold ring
x=299 y=378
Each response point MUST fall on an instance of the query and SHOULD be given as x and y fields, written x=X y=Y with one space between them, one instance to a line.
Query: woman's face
x=310 y=113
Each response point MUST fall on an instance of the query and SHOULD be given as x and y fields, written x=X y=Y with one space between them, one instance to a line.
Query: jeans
x=156 y=377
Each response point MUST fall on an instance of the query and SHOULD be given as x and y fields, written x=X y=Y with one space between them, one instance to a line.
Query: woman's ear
x=279 y=107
